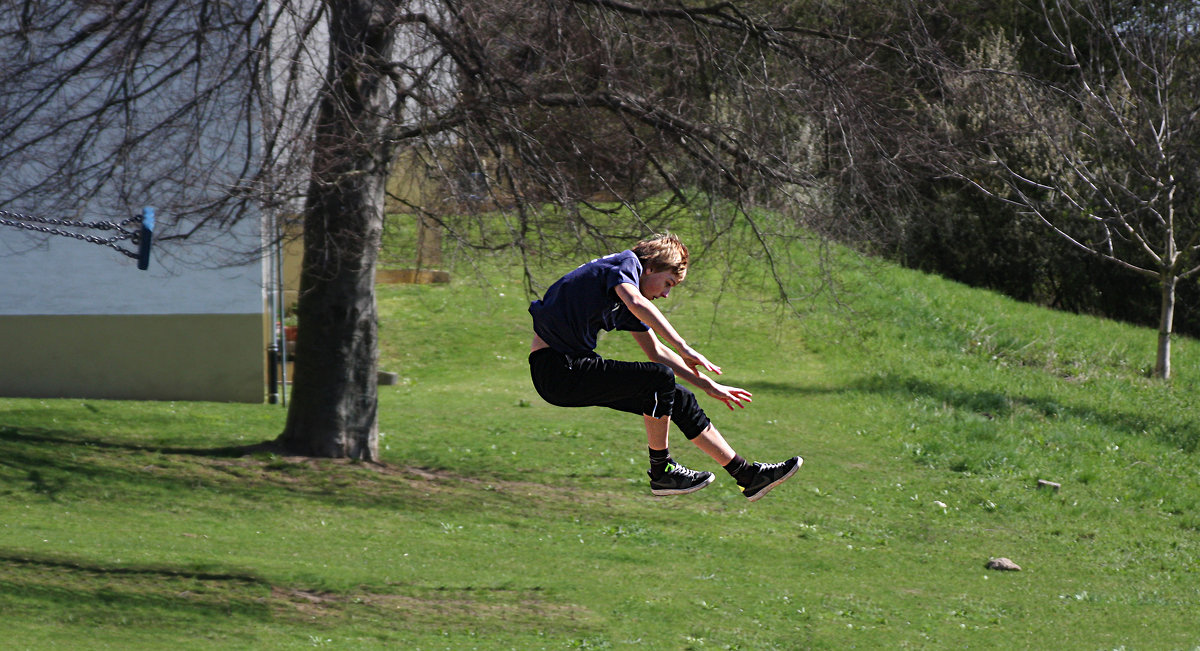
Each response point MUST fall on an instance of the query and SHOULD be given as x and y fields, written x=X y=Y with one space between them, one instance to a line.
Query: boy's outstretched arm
x=644 y=310
x=657 y=352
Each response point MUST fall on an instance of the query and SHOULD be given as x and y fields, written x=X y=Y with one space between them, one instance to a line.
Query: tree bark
x=1166 y=325
x=334 y=406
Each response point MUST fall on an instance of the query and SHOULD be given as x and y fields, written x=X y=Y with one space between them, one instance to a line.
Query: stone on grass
x=1002 y=564
x=386 y=378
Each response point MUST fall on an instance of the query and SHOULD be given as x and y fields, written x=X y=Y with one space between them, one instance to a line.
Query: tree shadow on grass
x=61 y=465
x=149 y=595
x=39 y=436
x=1179 y=431
x=149 y=572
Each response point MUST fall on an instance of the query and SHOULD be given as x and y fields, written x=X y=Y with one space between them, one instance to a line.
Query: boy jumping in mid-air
x=616 y=293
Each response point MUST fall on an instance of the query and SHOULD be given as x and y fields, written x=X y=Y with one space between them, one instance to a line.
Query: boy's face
x=657 y=284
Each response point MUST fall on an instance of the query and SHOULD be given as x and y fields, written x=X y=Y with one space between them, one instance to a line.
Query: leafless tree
x=560 y=103
x=1105 y=153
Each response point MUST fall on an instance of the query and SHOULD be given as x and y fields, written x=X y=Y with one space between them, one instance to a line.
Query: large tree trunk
x=334 y=406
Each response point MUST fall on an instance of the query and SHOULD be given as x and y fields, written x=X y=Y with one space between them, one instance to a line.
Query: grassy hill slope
x=926 y=413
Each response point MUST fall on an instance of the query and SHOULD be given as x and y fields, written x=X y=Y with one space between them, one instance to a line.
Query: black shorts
x=646 y=388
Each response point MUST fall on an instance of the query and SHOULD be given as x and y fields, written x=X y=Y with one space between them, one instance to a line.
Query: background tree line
x=895 y=117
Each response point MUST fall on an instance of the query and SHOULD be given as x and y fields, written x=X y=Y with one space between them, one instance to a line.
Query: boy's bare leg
x=710 y=440
x=656 y=431
x=714 y=445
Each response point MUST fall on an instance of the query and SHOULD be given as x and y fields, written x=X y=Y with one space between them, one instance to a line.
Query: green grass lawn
x=926 y=413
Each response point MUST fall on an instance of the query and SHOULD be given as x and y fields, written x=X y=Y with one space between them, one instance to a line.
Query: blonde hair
x=663 y=252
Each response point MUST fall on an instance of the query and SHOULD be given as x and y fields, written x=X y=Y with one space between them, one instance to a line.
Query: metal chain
x=100 y=225
x=22 y=221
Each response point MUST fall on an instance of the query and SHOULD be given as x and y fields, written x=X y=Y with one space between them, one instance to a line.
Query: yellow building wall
x=217 y=357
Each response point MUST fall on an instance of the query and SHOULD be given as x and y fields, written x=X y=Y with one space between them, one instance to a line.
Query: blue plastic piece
x=144 y=238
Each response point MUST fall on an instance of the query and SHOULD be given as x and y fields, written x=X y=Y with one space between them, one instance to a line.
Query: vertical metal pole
x=272 y=369
x=280 y=297
x=272 y=304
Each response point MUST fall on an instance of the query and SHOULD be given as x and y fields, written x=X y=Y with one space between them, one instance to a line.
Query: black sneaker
x=677 y=480
x=768 y=476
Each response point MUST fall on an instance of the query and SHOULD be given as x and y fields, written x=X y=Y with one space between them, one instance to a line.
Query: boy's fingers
x=735 y=397
x=732 y=398
x=695 y=359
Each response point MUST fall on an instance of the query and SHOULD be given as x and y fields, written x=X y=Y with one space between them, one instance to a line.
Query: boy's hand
x=694 y=359
x=730 y=395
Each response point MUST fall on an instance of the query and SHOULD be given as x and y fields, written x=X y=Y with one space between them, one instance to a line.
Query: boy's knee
x=664 y=376
x=687 y=413
x=660 y=401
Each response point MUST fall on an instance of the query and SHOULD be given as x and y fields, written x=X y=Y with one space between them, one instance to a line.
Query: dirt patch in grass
x=96 y=592
x=431 y=609
x=379 y=480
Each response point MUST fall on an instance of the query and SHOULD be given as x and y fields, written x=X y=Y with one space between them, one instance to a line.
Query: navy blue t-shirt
x=582 y=302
